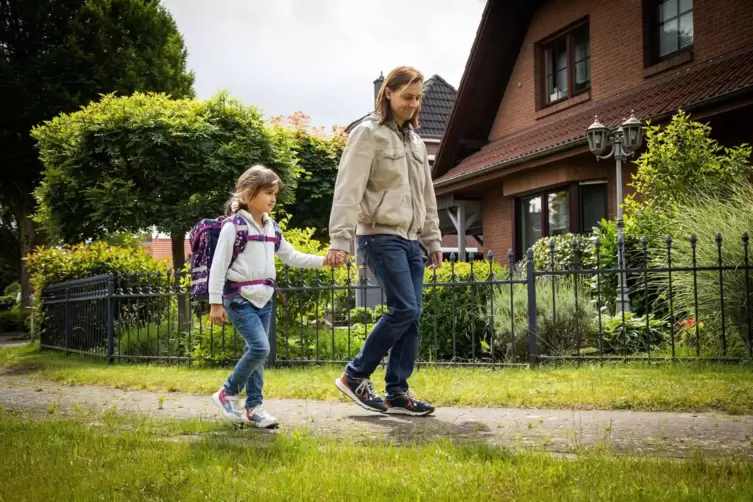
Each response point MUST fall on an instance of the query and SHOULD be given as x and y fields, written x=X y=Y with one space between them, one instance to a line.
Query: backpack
x=203 y=241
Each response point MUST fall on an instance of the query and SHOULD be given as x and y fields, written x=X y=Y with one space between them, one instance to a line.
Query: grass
x=115 y=457
x=635 y=386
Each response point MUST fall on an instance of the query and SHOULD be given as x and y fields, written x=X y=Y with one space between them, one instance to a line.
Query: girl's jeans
x=252 y=324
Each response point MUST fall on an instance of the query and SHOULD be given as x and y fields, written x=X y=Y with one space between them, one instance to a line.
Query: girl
x=243 y=291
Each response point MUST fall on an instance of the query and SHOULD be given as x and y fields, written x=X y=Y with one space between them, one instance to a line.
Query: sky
x=320 y=56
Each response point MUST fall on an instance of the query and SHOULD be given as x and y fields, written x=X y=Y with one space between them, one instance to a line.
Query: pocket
x=390 y=211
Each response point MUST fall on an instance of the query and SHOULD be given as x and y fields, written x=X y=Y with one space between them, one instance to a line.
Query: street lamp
x=625 y=141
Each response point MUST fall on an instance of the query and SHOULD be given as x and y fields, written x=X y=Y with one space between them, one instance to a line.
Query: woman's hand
x=217 y=314
x=335 y=258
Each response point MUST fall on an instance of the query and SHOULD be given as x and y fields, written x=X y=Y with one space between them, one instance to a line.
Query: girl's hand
x=217 y=314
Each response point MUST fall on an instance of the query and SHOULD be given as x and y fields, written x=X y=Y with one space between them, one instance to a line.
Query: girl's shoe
x=228 y=404
x=259 y=417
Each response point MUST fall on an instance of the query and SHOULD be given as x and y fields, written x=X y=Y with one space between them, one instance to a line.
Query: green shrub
x=13 y=320
x=563 y=257
x=454 y=323
x=51 y=265
x=559 y=322
x=632 y=335
x=704 y=217
x=12 y=289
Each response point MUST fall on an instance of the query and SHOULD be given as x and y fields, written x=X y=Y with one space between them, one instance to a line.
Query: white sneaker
x=260 y=418
x=229 y=406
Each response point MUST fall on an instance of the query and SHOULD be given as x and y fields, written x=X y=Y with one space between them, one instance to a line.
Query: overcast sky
x=320 y=56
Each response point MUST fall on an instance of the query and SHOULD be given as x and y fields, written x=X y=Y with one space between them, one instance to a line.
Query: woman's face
x=405 y=102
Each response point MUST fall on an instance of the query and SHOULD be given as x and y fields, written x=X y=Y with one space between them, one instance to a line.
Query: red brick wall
x=498 y=223
x=432 y=148
x=617 y=54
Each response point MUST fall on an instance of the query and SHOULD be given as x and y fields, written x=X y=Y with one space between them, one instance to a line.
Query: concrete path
x=564 y=431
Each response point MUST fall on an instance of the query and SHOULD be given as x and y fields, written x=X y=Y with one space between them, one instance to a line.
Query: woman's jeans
x=399 y=266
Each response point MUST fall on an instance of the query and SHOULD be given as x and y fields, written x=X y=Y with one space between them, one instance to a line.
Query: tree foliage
x=56 y=56
x=682 y=162
x=125 y=164
x=318 y=153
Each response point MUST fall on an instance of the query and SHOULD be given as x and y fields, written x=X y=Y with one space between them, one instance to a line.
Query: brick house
x=514 y=161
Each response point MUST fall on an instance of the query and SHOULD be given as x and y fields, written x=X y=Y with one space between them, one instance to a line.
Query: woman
x=384 y=190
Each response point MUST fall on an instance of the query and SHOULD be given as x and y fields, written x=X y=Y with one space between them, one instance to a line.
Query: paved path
x=670 y=434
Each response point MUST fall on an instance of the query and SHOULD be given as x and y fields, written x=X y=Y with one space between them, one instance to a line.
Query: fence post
x=272 y=359
x=533 y=331
x=110 y=319
x=67 y=319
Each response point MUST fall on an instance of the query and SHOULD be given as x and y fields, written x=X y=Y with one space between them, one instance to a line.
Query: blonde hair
x=250 y=183
x=397 y=80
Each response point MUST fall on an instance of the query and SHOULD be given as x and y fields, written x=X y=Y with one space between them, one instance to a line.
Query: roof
x=710 y=80
x=495 y=50
x=436 y=107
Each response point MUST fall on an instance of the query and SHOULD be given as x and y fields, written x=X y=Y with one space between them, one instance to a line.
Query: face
x=264 y=201
x=405 y=102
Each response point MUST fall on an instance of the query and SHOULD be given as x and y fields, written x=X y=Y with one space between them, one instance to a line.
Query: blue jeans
x=399 y=266
x=253 y=325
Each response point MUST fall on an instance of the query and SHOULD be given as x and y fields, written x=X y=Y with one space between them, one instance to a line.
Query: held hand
x=335 y=258
x=435 y=260
x=217 y=314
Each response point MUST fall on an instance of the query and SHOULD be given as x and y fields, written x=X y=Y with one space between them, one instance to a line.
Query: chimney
x=378 y=85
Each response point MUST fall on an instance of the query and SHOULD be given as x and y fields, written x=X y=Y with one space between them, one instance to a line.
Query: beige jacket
x=384 y=186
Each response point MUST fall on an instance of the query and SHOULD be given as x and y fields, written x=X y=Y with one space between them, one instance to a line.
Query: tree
x=318 y=154
x=682 y=162
x=56 y=56
x=126 y=164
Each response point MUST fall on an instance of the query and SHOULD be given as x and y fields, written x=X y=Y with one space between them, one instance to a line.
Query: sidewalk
x=666 y=434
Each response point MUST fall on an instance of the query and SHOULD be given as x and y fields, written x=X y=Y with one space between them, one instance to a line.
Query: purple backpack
x=203 y=239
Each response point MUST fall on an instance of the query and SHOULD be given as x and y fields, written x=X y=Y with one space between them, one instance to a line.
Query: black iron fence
x=483 y=313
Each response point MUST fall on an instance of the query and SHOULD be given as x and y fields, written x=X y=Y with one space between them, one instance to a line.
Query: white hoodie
x=255 y=262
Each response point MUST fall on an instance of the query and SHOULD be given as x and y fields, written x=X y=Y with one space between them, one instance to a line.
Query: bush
x=12 y=289
x=58 y=264
x=559 y=322
x=563 y=257
x=635 y=335
x=454 y=324
x=13 y=320
x=704 y=217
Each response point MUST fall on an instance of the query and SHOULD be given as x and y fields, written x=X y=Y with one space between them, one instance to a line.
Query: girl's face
x=264 y=200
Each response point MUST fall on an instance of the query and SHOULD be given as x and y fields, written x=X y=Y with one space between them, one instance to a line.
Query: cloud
x=320 y=56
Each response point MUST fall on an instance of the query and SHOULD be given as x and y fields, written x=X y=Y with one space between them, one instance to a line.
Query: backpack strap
x=241 y=235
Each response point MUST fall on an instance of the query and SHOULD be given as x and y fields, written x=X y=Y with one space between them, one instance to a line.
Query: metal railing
x=478 y=313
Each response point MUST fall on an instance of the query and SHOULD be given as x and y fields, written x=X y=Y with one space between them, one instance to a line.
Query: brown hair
x=250 y=183
x=397 y=80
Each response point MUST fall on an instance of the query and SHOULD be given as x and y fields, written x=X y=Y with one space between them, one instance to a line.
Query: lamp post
x=625 y=141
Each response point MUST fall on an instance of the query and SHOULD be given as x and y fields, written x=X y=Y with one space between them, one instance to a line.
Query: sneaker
x=405 y=404
x=260 y=418
x=228 y=404
x=361 y=390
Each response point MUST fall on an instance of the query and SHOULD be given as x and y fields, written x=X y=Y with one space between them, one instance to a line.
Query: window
x=566 y=65
x=669 y=26
x=575 y=208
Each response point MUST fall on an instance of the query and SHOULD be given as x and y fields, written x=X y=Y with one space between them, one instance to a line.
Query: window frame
x=575 y=206
x=568 y=36
x=651 y=35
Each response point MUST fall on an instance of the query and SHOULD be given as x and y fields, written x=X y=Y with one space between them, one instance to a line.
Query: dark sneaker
x=361 y=390
x=405 y=404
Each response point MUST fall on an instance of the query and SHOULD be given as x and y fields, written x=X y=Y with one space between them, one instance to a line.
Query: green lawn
x=638 y=386
x=113 y=457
